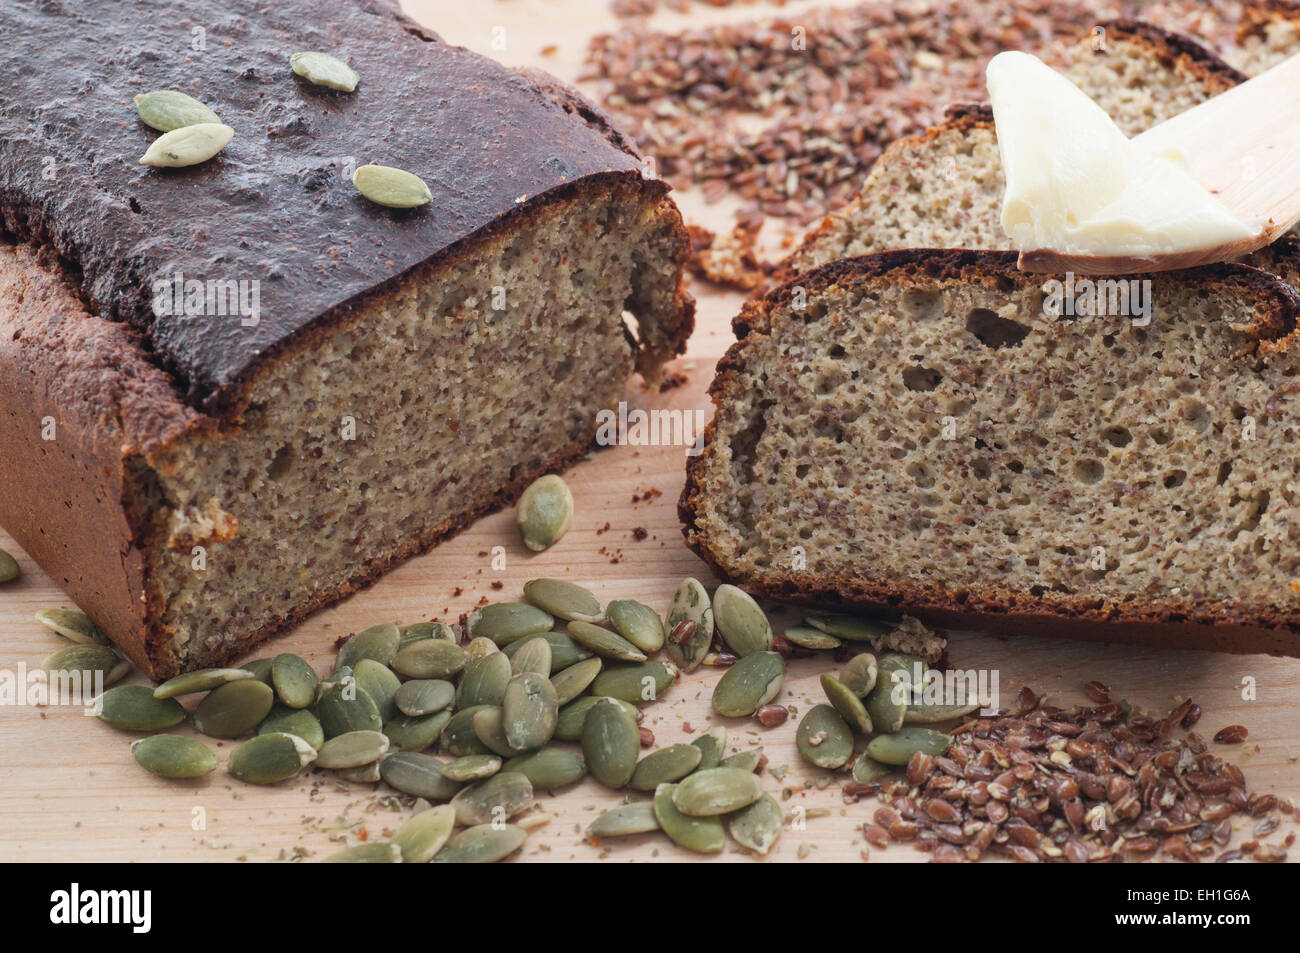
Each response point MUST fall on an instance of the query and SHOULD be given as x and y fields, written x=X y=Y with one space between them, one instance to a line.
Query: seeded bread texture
x=915 y=432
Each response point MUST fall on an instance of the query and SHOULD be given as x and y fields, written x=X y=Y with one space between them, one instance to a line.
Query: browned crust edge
x=1216 y=628
x=1178 y=50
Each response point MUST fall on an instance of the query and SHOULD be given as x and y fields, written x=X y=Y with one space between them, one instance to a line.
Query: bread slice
x=914 y=431
x=1268 y=33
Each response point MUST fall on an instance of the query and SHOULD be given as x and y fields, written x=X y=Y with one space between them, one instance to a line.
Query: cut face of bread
x=918 y=431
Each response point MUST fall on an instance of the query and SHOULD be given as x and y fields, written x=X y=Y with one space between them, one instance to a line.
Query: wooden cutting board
x=70 y=790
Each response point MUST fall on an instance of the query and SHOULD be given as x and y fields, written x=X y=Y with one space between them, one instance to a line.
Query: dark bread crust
x=1223 y=628
x=1177 y=50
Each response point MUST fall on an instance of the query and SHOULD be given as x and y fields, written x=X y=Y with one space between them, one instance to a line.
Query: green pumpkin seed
x=848 y=627
x=168 y=109
x=394 y=188
x=497 y=799
x=847 y=704
x=427 y=630
x=704 y=835
x=71 y=624
x=362 y=774
x=564 y=651
x=458 y=735
x=545 y=512
x=484 y=682
x=574 y=680
x=922 y=714
x=532 y=655
x=637 y=623
x=421 y=837
x=637 y=683
x=83 y=662
x=483 y=844
x=717 y=791
x=741 y=621
x=189 y=145
x=490 y=726
x=859 y=674
x=824 y=739
x=506 y=622
x=294 y=680
x=9 y=569
x=747 y=760
x=867 y=769
x=260 y=669
x=352 y=750
x=667 y=764
x=343 y=675
x=806 y=637
x=897 y=748
x=133 y=708
x=568 y=727
x=472 y=767
x=690 y=605
x=753 y=681
x=886 y=706
x=174 y=756
x=529 y=711
x=604 y=642
x=379 y=642
x=294 y=721
x=478 y=649
x=416 y=733
x=270 y=758
x=549 y=768
x=712 y=745
x=564 y=600
x=379 y=682
x=611 y=744
x=757 y=827
x=234 y=709
x=324 y=70
x=345 y=707
x=429 y=658
x=624 y=820
x=203 y=680
x=377 y=853
x=419 y=775
x=424 y=696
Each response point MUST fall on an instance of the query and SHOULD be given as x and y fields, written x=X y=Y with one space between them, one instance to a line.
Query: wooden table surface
x=71 y=791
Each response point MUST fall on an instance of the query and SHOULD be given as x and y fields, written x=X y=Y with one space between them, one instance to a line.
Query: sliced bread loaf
x=917 y=431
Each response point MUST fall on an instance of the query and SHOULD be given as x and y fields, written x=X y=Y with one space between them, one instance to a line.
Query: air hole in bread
x=1118 y=436
x=993 y=331
x=1089 y=471
x=921 y=378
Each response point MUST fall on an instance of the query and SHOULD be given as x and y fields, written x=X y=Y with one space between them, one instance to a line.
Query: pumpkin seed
x=379 y=682
x=574 y=680
x=484 y=682
x=922 y=714
x=717 y=791
x=604 y=642
x=564 y=651
x=472 y=767
x=479 y=648
x=490 y=726
x=234 y=709
x=376 y=853
x=294 y=680
x=427 y=630
x=610 y=744
x=848 y=627
x=424 y=696
x=324 y=70
x=757 y=827
x=806 y=637
x=626 y=819
x=343 y=675
x=168 y=109
x=847 y=704
x=867 y=769
x=419 y=775
x=9 y=569
x=529 y=711
x=416 y=733
x=84 y=662
x=458 y=735
x=203 y=680
x=260 y=669
x=712 y=744
x=362 y=774
x=564 y=600
x=133 y=708
x=741 y=621
x=859 y=674
x=753 y=681
x=549 y=768
x=390 y=187
x=688 y=645
x=747 y=760
x=704 y=835
x=568 y=727
x=189 y=145
x=294 y=721
x=823 y=738
x=897 y=748
x=345 y=707
x=532 y=655
x=421 y=837
x=482 y=844
x=429 y=658
x=174 y=756
x=636 y=682
x=886 y=706
x=352 y=750
x=270 y=758
x=545 y=512
x=506 y=622
x=637 y=623
x=497 y=799
x=379 y=642
x=667 y=764
x=71 y=624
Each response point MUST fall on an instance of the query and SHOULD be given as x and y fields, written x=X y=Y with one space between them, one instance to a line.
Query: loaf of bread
x=920 y=431
x=348 y=383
